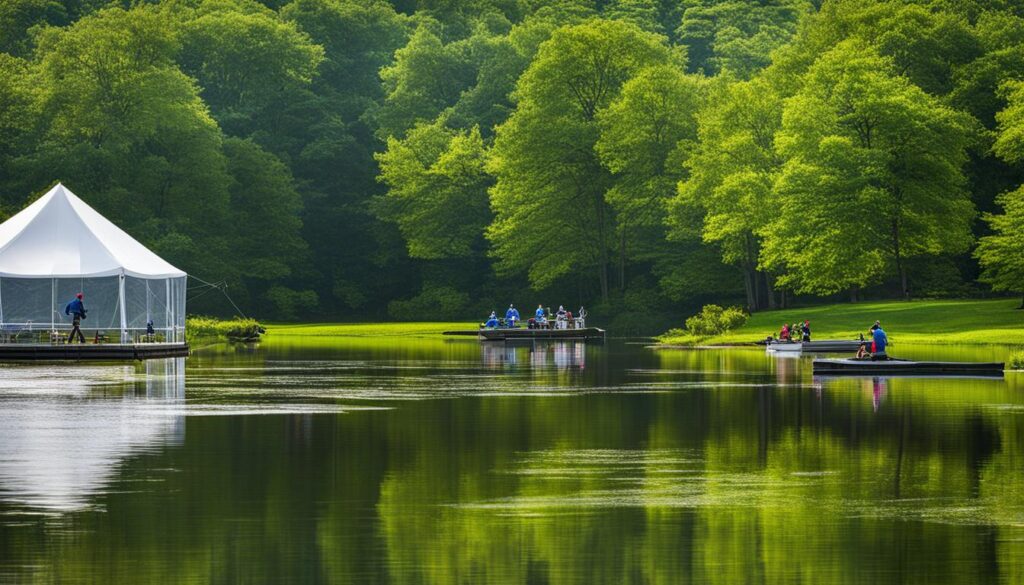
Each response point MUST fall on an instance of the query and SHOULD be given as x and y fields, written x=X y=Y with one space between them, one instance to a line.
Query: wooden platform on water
x=854 y=367
x=35 y=352
x=525 y=333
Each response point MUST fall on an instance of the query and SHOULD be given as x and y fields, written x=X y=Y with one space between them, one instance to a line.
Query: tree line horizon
x=430 y=159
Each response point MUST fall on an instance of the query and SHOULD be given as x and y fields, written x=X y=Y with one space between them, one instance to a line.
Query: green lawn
x=366 y=329
x=970 y=322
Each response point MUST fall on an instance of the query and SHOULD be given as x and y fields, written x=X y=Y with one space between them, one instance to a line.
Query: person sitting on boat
x=560 y=318
x=784 y=333
x=880 y=341
x=492 y=321
x=581 y=318
x=539 y=312
x=806 y=330
x=511 y=316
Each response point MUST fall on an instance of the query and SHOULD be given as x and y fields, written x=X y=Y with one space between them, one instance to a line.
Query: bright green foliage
x=549 y=199
x=872 y=176
x=1002 y=253
x=714 y=320
x=437 y=190
x=731 y=175
x=737 y=36
x=426 y=77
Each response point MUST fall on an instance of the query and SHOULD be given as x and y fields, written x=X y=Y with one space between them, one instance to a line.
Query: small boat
x=889 y=367
x=823 y=346
x=517 y=333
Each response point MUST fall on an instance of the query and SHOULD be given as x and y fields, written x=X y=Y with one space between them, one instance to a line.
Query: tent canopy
x=59 y=236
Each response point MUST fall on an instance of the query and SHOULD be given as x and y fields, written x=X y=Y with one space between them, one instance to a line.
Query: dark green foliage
x=329 y=158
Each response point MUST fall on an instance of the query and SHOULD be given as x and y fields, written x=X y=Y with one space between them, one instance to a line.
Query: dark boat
x=505 y=334
x=890 y=367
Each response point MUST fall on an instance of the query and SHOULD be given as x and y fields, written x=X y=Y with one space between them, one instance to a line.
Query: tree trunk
x=771 y=290
x=784 y=299
x=1021 y=303
x=854 y=293
x=900 y=268
x=749 y=287
x=602 y=275
x=622 y=261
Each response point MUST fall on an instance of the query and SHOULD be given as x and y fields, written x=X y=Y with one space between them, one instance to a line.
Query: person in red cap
x=77 y=311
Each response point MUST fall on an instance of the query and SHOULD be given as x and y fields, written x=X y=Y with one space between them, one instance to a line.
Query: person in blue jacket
x=881 y=341
x=511 y=316
x=492 y=321
x=77 y=311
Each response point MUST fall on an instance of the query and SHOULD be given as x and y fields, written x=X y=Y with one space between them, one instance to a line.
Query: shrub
x=237 y=328
x=1016 y=361
x=714 y=320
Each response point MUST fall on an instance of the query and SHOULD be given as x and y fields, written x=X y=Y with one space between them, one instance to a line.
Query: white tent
x=59 y=246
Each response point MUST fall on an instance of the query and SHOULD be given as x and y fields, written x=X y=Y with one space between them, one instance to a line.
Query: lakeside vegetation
x=408 y=159
x=198 y=328
x=964 y=322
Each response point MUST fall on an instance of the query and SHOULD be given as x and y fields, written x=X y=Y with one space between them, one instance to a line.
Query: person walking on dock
x=77 y=311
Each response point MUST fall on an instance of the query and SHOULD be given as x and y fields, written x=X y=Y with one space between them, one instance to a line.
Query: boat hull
x=853 y=367
x=824 y=346
x=586 y=334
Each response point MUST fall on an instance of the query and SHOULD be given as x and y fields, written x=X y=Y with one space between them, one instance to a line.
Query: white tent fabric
x=57 y=247
x=59 y=236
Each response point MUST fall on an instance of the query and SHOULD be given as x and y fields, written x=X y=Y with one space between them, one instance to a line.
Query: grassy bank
x=968 y=322
x=366 y=329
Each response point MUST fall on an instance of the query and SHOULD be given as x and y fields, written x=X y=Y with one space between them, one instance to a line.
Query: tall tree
x=1002 y=253
x=730 y=177
x=646 y=135
x=437 y=190
x=552 y=217
x=872 y=176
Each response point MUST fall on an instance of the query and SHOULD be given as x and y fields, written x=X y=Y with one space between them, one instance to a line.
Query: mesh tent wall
x=57 y=247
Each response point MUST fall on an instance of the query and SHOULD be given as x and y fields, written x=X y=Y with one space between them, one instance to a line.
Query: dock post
x=120 y=303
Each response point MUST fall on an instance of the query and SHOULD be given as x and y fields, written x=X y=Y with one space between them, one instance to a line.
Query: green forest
x=436 y=159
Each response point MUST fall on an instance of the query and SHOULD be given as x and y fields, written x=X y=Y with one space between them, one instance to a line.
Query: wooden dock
x=36 y=352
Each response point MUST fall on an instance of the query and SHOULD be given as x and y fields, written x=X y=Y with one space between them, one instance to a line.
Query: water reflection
x=65 y=431
x=537 y=354
x=546 y=464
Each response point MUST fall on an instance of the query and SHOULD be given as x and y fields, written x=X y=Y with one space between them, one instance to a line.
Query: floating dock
x=866 y=367
x=36 y=352
x=524 y=333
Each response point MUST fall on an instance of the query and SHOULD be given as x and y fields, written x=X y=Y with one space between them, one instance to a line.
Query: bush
x=209 y=327
x=714 y=320
x=1016 y=361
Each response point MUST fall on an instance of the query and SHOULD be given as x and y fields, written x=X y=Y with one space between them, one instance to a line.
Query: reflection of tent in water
x=59 y=450
x=59 y=246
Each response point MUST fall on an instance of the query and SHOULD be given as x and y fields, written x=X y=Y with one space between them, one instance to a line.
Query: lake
x=402 y=460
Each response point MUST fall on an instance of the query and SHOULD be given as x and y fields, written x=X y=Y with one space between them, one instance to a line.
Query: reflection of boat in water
x=823 y=346
x=563 y=354
x=896 y=367
x=60 y=444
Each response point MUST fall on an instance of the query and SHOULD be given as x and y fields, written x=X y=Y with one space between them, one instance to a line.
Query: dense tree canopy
x=334 y=158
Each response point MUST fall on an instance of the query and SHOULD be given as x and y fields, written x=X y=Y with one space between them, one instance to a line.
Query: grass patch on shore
x=964 y=321
x=198 y=327
x=367 y=329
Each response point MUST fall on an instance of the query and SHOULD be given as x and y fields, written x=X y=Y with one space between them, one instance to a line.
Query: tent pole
x=53 y=302
x=124 y=313
x=167 y=310
x=1 y=302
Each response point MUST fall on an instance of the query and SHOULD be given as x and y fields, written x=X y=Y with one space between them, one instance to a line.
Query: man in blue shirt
x=881 y=341
x=77 y=311
x=511 y=316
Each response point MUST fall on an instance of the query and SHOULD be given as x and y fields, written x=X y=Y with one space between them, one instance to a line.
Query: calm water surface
x=430 y=461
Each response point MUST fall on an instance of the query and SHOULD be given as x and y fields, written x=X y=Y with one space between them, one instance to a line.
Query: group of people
x=878 y=342
x=795 y=332
x=543 y=318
